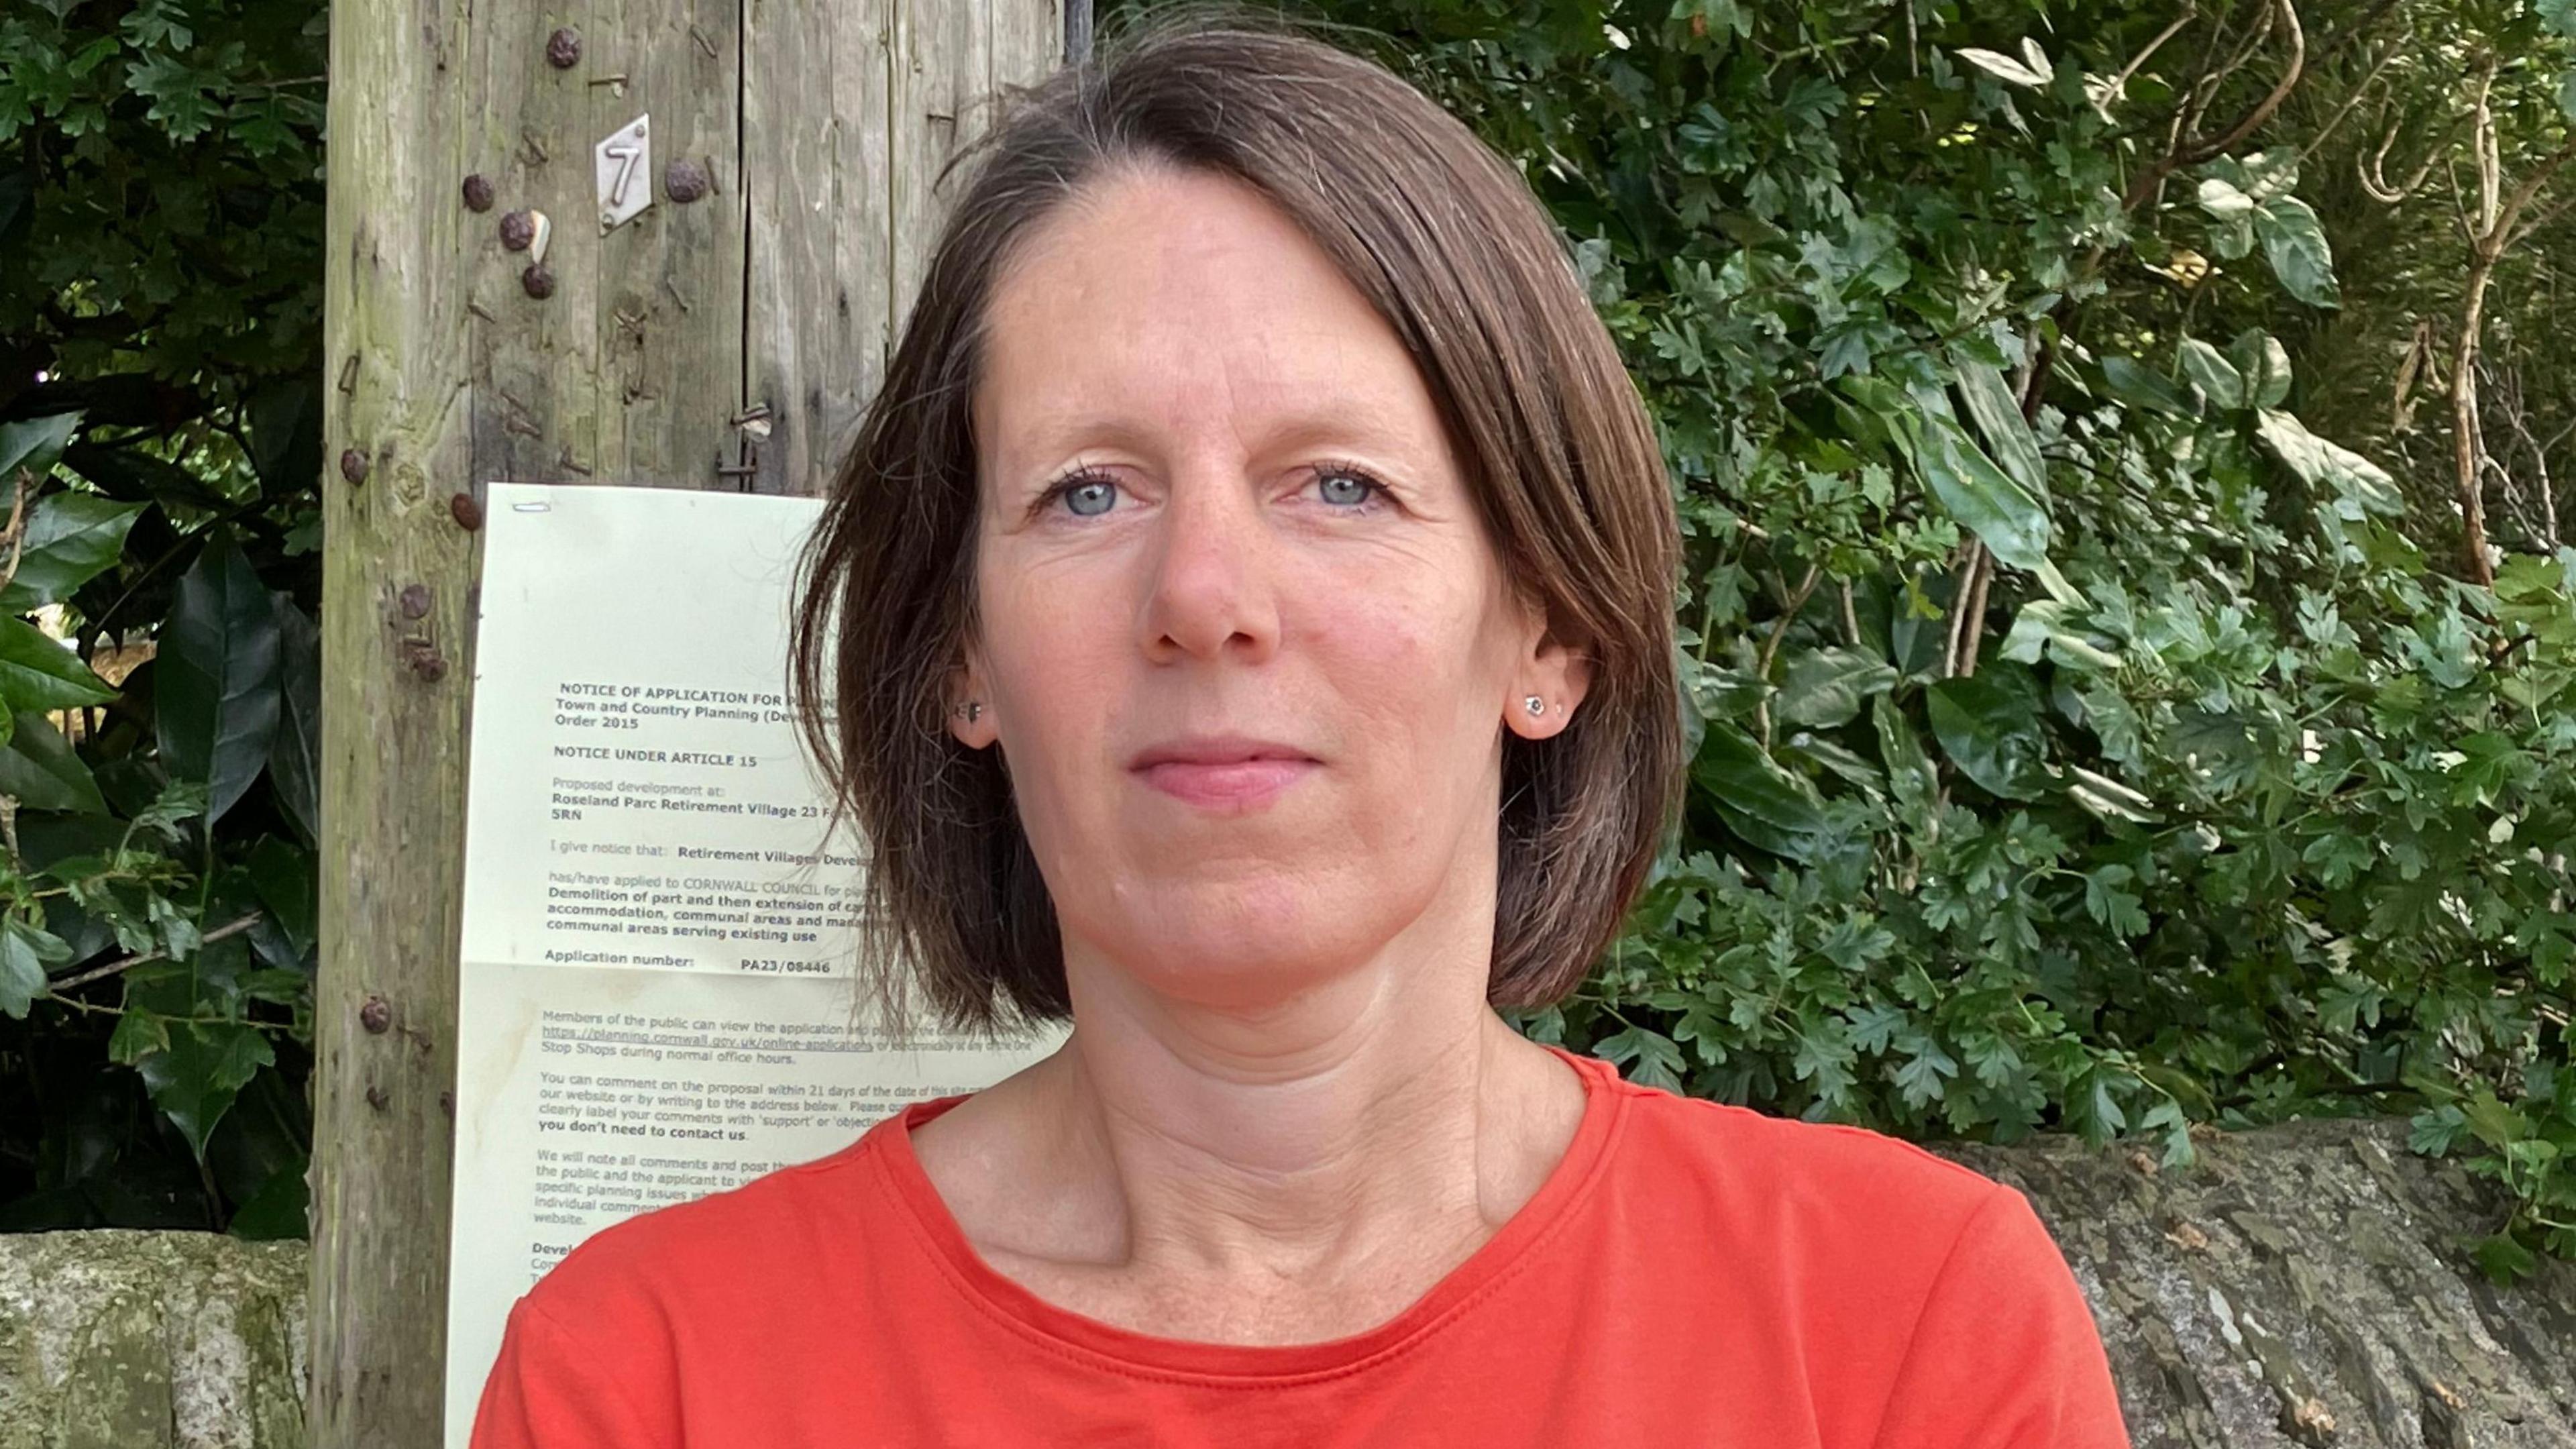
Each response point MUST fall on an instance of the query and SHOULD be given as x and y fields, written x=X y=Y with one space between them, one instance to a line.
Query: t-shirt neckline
x=1484 y=1270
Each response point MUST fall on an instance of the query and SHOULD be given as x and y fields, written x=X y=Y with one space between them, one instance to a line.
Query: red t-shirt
x=1691 y=1273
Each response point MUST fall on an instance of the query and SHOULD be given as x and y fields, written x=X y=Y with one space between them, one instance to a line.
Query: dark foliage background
x=160 y=401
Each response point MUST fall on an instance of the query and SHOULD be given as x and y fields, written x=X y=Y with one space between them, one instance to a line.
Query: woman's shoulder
x=1818 y=1181
x=1887 y=1264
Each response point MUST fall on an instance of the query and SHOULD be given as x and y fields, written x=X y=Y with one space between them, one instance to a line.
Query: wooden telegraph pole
x=724 y=337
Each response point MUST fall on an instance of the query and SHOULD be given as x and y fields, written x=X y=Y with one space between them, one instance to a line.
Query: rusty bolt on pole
x=415 y=600
x=537 y=281
x=684 y=180
x=375 y=1014
x=478 y=192
x=563 y=48
x=353 y=465
x=429 y=666
x=467 y=513
x=518 y=228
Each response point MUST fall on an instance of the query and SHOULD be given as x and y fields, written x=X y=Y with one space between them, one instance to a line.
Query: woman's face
x=1244 y=644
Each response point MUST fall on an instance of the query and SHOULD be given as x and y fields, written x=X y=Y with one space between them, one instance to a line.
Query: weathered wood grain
x=651 y=362
x=852 y=110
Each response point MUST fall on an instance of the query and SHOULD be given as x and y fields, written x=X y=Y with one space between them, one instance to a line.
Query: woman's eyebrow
x=1337 y=420
x=1352 y=421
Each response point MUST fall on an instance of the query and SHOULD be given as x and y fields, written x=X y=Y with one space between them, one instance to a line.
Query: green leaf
x=1923 y=1079
x=2264 y=364
x=2107 y=798
x=179 y=800
x=1875 y=1025
x=2435 y=1130
x=2109 y=903
x=1658 y=1061
x=1910 y=773
x=2220 y=198
x=139 y=1033
x=34 y=444
x=285 y=879
x=1997 y=414
x=2011 y=519
x=1761 y=801
x=2296 y=246
x=2045 y=625
x=40 y=672
x=195 y=1079
x=2213 y=374
x=2141 y=386
x=2019 y=72
x=1989 y=726
x=71 y=538
x=1716 y=693
x=39 y=769
x=2101 y=1117
x=1721 y=15
x=2167 y=1115
x=1822 y=688
x=131 y=473
x=2495 y=1122
x=2340 y=472
x=277 y=1212
x=217 y=681
x=295 y=757
x=2504 y=1260
x=1824 y=1059
x=25 y=951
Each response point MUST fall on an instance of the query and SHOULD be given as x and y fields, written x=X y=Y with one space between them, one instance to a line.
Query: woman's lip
x=1228 y=784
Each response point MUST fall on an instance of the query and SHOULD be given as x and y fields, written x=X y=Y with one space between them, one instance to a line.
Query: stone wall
x=2306 y=1284
x=131 y=1340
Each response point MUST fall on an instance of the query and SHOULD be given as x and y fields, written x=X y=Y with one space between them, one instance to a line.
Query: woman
x=1247 y=611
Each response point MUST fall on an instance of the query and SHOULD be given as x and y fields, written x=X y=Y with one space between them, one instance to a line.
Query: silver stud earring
x=1534 y=705
x=973 y=709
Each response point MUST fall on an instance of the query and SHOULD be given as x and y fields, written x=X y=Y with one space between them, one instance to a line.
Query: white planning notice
x=655 y=995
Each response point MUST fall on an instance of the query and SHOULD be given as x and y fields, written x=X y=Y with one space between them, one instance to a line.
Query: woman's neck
x=1314 y=1160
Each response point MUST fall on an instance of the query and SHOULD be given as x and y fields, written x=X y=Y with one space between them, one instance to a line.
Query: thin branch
x=2120 y=83
x=2529 y=188
x=2373 y=171
x=1771 y=646
x=2335 y=122
x=1960 y=599
x=2252 y=121
x=1974 y=635
x=2188 y=148
x=2339 y=36
x=17 y=533
x=127 y=963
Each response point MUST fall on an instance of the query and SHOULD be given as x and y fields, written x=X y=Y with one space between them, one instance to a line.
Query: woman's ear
x=1551 y=680
x=970 y=713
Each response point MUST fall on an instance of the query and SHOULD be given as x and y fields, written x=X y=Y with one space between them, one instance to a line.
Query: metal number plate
x=624 y=166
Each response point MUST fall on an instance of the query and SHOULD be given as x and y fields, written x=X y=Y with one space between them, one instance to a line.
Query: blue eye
x=1346 y=488
x=1088 y=497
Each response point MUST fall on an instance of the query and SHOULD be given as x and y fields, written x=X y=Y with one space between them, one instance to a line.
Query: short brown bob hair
x=1446 y=240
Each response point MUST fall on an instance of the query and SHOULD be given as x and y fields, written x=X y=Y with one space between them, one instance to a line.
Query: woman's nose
x=1212 y=590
